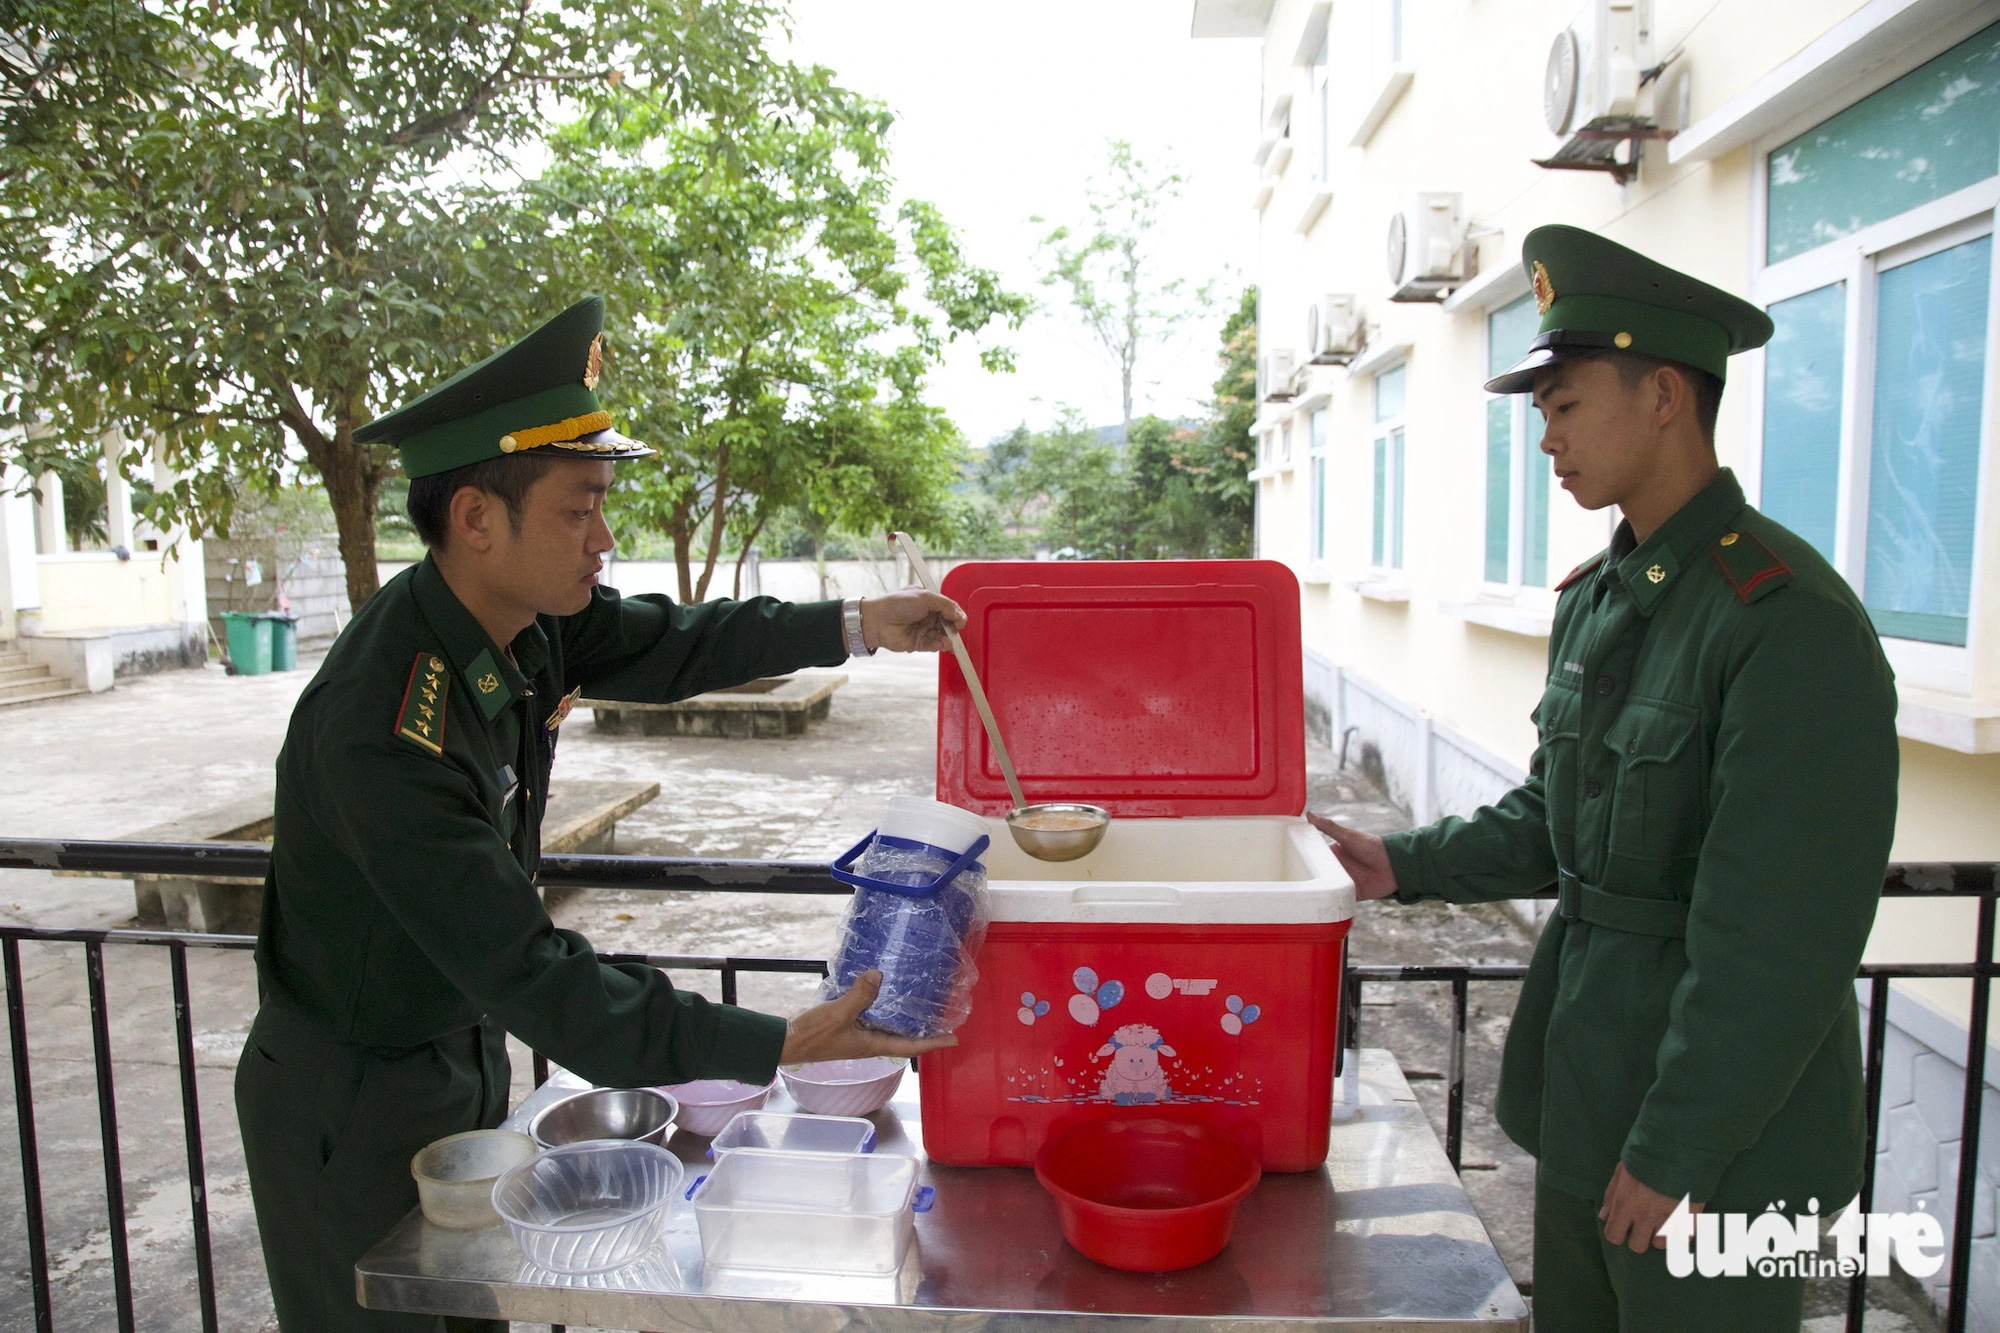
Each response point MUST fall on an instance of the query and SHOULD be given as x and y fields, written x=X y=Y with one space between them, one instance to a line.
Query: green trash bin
x=249 y=642
x=284 y=640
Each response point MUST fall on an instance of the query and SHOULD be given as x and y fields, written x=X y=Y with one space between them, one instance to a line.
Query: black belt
x=1577 y=901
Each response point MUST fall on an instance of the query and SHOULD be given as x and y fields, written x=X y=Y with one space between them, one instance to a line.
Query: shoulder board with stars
x=1752 y=568
x=421 y=718
x=1580 y=571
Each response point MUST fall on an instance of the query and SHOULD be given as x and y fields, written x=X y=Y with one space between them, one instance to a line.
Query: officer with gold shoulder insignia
x=1713 y=796
x=402 y=936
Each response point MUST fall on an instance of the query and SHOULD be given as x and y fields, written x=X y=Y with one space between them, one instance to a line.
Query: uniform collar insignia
x=489 y=684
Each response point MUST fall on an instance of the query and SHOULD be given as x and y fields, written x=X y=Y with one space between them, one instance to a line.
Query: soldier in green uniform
x=1713 y=796
x=402 y=936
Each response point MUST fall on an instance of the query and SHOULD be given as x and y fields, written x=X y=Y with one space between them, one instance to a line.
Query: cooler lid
x=1149 y=687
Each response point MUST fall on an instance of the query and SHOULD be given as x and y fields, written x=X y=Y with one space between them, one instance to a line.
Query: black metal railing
x=200 y=860
x=1931 y=881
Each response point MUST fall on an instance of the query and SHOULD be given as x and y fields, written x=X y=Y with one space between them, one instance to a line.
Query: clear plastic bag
x=923 y=943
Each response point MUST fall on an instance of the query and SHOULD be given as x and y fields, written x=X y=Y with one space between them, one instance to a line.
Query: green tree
x=246 y=226
x=1176 y=489
x=1110 y=266
x=774 y=316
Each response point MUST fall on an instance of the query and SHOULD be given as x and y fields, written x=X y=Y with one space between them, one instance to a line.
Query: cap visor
x=1520 y=377
x=604 y=445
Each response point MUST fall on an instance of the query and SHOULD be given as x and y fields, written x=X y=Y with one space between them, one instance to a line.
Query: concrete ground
x=165 y=746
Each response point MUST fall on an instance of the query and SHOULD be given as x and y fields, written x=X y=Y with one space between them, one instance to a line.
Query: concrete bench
x=773 y=707
x=581 y=817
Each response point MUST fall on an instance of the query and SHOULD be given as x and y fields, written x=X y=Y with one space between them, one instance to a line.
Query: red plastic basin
x=1148 y=1196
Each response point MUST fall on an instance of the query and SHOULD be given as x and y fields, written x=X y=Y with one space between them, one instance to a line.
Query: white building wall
x=1431 y=668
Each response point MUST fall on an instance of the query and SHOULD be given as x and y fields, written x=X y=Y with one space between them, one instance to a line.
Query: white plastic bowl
x=845 y=1087
x=455 y=1175
x=709 y=1104
x=589 y=1207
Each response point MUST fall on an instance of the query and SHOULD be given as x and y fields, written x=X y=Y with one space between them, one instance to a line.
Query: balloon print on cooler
x=1091 y=997
x=1031 y=1008
x=1240 y=1015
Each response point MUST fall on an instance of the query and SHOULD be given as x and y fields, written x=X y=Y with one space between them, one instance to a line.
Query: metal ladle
x=1079 y=827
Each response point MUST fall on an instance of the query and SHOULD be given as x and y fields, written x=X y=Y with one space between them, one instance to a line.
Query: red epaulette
x=420 y=717
x=1581 y=570
x=1752 y=568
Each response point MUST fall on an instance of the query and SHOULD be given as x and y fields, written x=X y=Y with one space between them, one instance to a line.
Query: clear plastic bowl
x=710 y=1103
x=845 y=1087
x=794 y=1133
x=589 y=1207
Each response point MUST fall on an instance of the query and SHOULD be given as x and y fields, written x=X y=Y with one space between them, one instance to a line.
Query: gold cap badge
x=1545 y=291
x=595 y=365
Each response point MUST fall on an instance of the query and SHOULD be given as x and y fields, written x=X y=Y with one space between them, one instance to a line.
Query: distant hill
x=1113 y=435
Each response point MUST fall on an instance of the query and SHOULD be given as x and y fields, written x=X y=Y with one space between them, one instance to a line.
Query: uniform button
x=1592 y=787
x=1605 y=685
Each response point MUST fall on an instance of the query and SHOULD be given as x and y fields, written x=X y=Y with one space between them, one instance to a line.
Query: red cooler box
x=1190 y=966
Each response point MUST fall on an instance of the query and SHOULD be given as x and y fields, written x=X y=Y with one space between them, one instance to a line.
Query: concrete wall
x=314 y=582
x=90 y=590
x=1434 y=669
x=788 y=580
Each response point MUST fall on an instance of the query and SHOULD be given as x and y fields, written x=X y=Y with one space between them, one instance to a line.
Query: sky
x=1003 y=113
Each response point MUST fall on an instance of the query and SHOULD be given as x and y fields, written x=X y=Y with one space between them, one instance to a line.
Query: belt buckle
x=1568 y=891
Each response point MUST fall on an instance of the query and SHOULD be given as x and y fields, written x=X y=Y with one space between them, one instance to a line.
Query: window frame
x=1858 y=259
x=1320 y=111
x=1521 y=457
x=1393 y=434
x=1317 y=423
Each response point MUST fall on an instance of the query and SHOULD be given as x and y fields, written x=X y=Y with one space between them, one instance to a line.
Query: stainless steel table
x=1383 y=1238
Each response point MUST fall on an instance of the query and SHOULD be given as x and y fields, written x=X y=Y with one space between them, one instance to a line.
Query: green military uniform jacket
x=1715 y=786
x=401 y=904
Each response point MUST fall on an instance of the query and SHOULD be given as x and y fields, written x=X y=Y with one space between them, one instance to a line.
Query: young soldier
x=402 y=936
x=1713 y=795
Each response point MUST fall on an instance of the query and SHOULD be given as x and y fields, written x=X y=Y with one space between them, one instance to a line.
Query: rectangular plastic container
x=794 y=1133
x=807 y=1212
x=1190 y=966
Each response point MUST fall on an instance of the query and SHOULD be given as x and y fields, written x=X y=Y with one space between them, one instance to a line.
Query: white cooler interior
x=1255 y=869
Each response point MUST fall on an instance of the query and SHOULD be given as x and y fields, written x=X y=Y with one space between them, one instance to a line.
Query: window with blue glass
x=1802 y=404
x=1923 y=467
x=1386 y=543
x=1932 y=132
x=1517 y=476
x=1879 y=280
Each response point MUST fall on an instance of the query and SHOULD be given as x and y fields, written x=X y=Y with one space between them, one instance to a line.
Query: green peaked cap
x=1597 y=296
x=538 y=393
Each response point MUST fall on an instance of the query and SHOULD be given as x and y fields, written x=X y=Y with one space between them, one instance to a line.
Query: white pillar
x=50 y=530
x=188 y=562
x=20 y=578
x=117 y=493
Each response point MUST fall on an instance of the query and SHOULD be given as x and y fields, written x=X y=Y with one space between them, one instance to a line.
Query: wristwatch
x=850 y=628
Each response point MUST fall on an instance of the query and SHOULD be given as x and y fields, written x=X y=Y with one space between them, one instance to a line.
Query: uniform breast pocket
x=1659 y=802
x=1558 y=719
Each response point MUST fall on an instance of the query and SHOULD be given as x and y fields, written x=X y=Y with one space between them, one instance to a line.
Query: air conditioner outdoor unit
x=1278 y=372
x=1594 y=93
x=1429 y=256
x=1335 y=333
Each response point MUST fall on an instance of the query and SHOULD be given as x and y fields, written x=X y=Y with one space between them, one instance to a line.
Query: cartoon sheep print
x=1135 y=1075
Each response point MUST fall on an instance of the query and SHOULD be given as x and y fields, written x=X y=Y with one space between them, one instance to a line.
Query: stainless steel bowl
x=644 y=1115
x=1059 y=844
